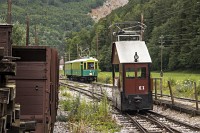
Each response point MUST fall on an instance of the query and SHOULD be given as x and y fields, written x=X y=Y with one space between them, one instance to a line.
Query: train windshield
x=130 y=72
x=128 y=38
x=141 y=73
x=90 y=65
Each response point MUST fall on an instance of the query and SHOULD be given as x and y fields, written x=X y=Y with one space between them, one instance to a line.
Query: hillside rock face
x=107 y=8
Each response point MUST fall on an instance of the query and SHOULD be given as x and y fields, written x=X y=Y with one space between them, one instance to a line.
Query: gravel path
x=177 y=115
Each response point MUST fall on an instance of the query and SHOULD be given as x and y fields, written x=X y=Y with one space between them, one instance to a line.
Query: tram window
x=95 y=65
x=141 y=72
x=130 y=73
x=90 y=65
x=84 y=66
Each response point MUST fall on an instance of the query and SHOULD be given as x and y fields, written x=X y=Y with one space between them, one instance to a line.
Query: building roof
x=61 y=61
x=124 y=52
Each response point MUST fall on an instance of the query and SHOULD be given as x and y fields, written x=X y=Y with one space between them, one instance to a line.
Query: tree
x=18 y=34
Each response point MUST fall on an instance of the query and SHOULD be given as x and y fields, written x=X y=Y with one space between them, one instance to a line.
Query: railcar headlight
x=136 y=57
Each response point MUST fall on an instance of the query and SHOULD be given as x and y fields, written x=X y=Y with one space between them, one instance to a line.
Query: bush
x=62 y=118
x=89 y=114
x=108 y=80
x=66 y=94
x=67 y=105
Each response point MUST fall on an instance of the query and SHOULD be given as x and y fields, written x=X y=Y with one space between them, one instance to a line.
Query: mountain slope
x=53 y=20
x=108 y=6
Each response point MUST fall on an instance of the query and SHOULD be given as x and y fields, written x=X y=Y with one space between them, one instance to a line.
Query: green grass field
x=178 y=76
x=166 y=76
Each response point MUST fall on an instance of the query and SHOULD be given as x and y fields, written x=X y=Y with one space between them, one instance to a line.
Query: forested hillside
x=51 y=21
x=66 y=25
x=177 y=20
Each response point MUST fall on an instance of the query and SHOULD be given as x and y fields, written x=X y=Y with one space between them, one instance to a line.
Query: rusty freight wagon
x=36 y=87
x=7 y=89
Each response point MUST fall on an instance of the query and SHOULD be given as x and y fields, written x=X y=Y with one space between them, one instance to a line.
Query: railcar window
x=126 y=38
x=130 y=73
x=129 y=38
x=141 y=72
x=90 y=65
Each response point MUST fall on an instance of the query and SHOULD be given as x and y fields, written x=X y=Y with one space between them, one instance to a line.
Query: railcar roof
x=82 y=60
x=125 y=51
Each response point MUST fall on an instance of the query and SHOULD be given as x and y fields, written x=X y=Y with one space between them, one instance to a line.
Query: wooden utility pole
x=142 y=28
x=69 y=56
x=97 y=45
x=36 y=37
x=77 y=51
x=27 y=30
x=161 y=54
x=64 y=60
x=9 y=12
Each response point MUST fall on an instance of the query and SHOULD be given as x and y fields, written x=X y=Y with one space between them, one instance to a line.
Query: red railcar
x=131 y=61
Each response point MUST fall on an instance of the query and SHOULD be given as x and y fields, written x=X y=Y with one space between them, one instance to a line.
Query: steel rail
x=139 y=126
x=159 y=124
x=175 y=121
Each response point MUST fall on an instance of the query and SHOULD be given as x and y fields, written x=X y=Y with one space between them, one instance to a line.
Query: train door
x=82 y=67
x=136 y=79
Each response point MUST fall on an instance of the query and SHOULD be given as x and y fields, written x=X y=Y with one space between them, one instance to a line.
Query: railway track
x=147 y=122
x=88 y=92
